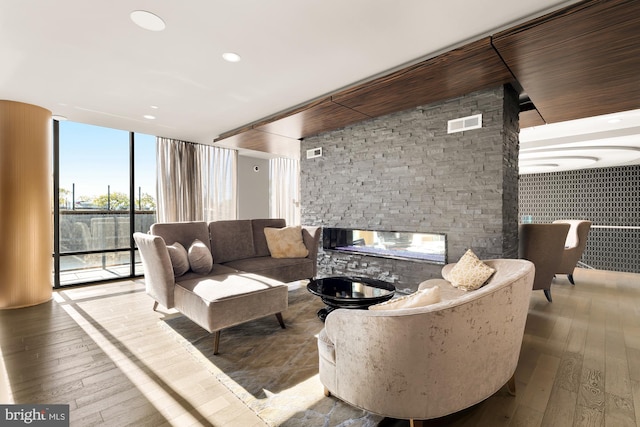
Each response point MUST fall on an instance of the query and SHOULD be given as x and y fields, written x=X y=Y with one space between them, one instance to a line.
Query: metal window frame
x=56 y=216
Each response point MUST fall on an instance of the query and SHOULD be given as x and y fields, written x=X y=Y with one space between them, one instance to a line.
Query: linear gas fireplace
x=424 y=247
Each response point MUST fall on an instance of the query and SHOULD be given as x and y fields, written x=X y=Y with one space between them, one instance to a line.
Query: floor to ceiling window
x=105 y=182
x=144 y=187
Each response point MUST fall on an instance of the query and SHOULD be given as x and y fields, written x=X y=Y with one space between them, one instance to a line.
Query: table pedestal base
x=324 y=312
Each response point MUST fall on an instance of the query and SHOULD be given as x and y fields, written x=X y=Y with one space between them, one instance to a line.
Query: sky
x=94 y=157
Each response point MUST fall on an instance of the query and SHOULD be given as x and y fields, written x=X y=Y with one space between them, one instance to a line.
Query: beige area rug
x=274 y=371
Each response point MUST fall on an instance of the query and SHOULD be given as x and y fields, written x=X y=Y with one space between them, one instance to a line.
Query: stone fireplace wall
x=403 y=172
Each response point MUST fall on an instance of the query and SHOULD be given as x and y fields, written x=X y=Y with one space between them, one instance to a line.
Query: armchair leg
x=280 y=320
x=327 y=393
x=417 y=423
x=547 y=293
x=570 y=276
x=511 y=385
x=216 y=341
x=155 y=305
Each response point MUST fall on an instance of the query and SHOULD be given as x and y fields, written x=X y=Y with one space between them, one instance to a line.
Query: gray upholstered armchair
x=574 y=245
x=431 y=361
x=543 y=245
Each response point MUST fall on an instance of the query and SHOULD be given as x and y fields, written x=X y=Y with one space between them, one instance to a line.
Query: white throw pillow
x=417 y=299
x=179 y=259
x=470 y=273
x=286 y=242
x=200 y=258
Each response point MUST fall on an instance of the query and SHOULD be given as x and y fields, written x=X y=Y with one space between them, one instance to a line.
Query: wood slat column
x=26 y=230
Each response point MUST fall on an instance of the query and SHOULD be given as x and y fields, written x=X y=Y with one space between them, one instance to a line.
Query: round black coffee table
x=349 y=292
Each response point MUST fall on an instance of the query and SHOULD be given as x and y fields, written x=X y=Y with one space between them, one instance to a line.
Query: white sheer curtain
x=195 y=182
x=218 y=178
x=285 y=189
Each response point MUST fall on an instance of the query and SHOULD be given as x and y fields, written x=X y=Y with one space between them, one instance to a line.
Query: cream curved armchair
x=428 y=362
x=574 y=245
x=542 y=244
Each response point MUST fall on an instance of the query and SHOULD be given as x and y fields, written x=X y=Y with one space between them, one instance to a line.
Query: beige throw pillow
x=179 y=259
x=420 y=298
x=286 y=242
x=470 y=273
x=200 y=258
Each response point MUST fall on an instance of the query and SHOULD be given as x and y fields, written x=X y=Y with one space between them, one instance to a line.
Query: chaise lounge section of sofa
x=244 y=282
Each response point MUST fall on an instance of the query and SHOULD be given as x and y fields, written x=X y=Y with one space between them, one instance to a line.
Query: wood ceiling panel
x=530 y=118
x=467 y=69
x=579 y=62
x=312 y=120
x=261 y=141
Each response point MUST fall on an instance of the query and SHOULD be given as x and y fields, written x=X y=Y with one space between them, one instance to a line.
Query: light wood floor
x=580 y=359
x=102 y=350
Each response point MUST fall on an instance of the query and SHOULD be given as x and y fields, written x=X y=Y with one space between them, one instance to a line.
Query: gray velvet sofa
x=241 y=244
x=430 y=361
x=244 y=283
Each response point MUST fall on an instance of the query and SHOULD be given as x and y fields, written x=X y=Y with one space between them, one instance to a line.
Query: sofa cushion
x=283 y=269
x=231 y=240
x=286 y=242
x=200 y=259
x=420 y=298
x=469 y=273
x=179 y=258
x=259 y=239
x=447 y=291
x=183 y=232
x=216 y=270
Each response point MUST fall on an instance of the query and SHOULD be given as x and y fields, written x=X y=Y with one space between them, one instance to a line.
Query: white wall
x=253 y=187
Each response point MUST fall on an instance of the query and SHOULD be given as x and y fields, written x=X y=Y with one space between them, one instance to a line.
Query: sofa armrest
x=158 y=272
x=569 y=260
x=311 y=239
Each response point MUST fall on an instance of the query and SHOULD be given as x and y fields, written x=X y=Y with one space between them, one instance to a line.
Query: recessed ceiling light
x=147 y=20
x=155 y=107
x=231 y=57
x=149 y=117
x=58 y=118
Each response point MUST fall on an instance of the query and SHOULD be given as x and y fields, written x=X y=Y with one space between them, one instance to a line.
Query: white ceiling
x=609 y=140
x=87 y=61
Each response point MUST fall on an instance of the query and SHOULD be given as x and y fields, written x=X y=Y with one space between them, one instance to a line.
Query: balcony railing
x=96 y=244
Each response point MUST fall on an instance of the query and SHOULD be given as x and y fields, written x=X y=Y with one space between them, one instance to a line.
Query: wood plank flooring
x=102 y=350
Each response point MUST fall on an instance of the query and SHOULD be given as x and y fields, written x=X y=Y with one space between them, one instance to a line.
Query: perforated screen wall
x=609 y=197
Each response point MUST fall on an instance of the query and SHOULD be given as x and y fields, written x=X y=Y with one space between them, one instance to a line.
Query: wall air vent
x=464 y=123
x=314 y=152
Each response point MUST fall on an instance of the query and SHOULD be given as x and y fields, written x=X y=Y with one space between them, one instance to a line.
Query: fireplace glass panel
x=426 y=247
